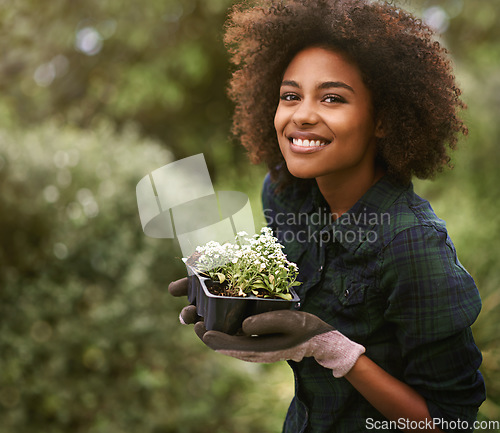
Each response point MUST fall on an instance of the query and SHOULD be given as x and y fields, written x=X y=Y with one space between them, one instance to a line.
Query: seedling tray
x=227 y=313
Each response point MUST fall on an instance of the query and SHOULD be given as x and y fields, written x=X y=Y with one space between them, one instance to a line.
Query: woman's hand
x=286 y=335
x=188 y=314
x=276 y=336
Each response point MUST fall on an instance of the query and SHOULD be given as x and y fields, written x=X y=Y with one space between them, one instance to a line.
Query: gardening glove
x=286 y=335
x=188 y=314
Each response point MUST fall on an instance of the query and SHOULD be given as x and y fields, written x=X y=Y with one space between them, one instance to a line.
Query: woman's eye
x=334 y=99
x=289 y=97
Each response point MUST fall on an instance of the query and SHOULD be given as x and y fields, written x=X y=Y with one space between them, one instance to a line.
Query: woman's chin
x=301 y=172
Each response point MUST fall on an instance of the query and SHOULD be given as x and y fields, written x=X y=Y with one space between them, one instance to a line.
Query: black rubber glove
x=286 y=335
x=188 y=314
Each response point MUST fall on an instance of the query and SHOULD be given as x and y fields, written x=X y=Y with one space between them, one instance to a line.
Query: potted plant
x=232 y=281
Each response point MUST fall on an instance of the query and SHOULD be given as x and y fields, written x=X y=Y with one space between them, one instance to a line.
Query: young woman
x=346 y=101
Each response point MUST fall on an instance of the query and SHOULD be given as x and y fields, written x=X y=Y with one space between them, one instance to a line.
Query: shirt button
x=320 y=269
x=297 y=306
x=346 y=293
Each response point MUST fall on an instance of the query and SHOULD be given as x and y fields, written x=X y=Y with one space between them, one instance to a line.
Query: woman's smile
x=306 y=146
x=301 y=142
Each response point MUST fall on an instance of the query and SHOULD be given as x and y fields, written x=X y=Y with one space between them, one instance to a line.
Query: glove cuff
x=335 y=351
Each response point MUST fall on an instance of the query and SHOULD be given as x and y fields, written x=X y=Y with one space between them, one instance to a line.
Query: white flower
x=247 y=258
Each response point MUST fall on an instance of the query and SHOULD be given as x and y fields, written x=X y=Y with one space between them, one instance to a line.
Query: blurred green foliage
x=90 y=339
x=93 y=96
x=159 y=63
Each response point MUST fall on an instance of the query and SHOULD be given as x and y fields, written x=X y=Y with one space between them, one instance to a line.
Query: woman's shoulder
x=410 y=212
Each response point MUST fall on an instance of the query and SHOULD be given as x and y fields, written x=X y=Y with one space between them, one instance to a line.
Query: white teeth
x=308 y=143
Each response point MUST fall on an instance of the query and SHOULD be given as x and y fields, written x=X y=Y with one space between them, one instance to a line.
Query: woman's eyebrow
x=330 y=84
x=290 y=83
x=324 y=85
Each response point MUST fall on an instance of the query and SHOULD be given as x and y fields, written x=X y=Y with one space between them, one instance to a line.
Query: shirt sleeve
x=433 y=301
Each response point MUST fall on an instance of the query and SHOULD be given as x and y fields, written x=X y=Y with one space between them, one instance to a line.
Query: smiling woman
x=346 y=101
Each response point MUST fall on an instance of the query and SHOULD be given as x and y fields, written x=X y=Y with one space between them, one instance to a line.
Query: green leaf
x=221 y=277
x=286 y=296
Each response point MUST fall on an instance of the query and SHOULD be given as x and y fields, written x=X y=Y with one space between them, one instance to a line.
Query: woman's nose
x=305 y=114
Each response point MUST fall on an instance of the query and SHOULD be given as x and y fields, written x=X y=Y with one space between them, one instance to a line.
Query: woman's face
x=324 y=120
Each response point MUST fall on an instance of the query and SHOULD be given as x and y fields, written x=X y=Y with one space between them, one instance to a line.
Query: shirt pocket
x=352 y=293
x=357 y=313
x=344 y=299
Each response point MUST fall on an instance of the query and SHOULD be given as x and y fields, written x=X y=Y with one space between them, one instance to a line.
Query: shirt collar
x=314 y=200
x=355 y=226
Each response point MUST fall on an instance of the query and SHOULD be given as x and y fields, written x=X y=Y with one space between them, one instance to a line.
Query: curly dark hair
x=403 y=65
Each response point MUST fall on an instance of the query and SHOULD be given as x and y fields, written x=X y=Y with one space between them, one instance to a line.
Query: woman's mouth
x=298 y=145
x=308 y=143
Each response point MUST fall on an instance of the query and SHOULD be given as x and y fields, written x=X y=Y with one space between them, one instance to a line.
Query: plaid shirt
x=386 y=275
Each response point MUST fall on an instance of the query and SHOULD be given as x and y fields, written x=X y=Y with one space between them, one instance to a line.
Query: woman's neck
x=341 y=191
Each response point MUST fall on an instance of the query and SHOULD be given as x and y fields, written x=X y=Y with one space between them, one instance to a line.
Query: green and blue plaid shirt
x=386 y=275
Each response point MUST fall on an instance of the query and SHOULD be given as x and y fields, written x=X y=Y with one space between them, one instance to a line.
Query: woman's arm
x=391 y=397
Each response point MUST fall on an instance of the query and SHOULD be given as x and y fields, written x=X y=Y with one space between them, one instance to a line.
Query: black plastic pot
x=226 y=313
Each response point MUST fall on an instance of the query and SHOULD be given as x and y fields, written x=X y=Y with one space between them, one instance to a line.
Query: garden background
x=94 y=95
